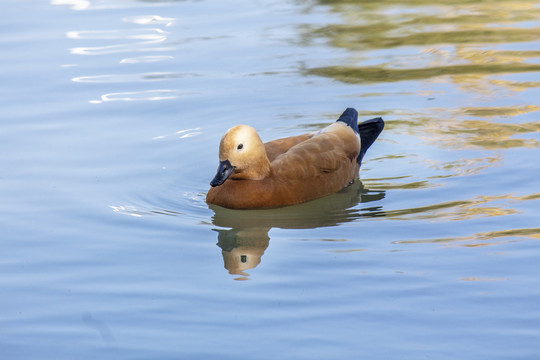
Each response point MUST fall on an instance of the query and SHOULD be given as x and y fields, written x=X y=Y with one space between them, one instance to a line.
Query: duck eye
x=240 y=147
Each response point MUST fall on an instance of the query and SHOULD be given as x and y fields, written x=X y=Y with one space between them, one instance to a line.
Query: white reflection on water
x=120 y=78
x=144 y=37
x=147 y=95
x=74 y=4
x=132 y=41
x=186 y=133
x=93 y=5
x=141 y=34
x=121 y=48
x=147 y=37
x=146 y=59
x=150 y=19
x=127 y=210
x=136 y=212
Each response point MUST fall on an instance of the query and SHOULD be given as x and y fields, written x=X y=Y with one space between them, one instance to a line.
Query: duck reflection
x=242 y=249
x=245 y=242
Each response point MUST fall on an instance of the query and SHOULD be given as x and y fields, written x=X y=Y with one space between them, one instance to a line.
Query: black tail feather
x=369 y=131
x=350 y=117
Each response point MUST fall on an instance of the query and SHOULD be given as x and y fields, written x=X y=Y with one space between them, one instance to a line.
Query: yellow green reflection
x=365 y=74
x=489 y=238
x=450 y=39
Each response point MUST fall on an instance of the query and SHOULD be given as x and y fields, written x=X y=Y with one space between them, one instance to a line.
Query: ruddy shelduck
x=291 y=170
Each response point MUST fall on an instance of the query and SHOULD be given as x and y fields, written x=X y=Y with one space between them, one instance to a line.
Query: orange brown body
x=286 y=171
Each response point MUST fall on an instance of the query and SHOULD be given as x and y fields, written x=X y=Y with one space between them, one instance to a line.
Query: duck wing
x=321 y=154
x=280 y=146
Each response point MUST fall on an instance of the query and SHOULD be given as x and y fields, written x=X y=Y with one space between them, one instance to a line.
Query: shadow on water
x=245 y=242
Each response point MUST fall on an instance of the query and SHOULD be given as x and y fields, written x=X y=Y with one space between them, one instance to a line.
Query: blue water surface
x=112 y=112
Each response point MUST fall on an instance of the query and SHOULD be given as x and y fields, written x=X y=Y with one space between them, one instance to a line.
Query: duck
x=288 y=171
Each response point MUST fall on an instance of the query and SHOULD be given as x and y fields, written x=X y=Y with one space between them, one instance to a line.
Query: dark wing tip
x=350 y=117
x=369 y=132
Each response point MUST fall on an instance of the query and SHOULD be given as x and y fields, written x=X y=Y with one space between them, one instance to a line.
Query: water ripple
x=123 y=78
x=145 y=40
x=93 y=5
x=139 y=34
x=146 y=59
x=489 y=238
x=150 y=19
x=74 y=4
x=466 y=209
x=182 y=134
x=120 y=48
x=147 y=95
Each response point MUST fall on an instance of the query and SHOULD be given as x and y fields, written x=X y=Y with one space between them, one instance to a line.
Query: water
x=111 y=116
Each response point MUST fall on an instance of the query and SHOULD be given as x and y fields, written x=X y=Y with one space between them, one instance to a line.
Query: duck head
x=241 y=156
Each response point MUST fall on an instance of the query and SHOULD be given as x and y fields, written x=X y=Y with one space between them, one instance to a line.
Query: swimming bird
x=291 y=170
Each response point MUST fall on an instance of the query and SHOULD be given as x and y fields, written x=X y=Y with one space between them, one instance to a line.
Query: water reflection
x=150 y=19
x=487 y=134
x=140 y=39
x=247 y=238
x=146 y=59
x=120 y=78
x=242 y=249
x=365 y=74
x=244 y=243
x=470 y=127
x=489 y=238
x=483 y=51
x=133 y=40
x=457 y=39
x=73 y=4
x=149 y=95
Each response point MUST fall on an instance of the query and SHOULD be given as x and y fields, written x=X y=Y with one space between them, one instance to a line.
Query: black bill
x=224 y=170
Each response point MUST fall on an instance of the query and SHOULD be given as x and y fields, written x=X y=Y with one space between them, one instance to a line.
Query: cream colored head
x=243 y=148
